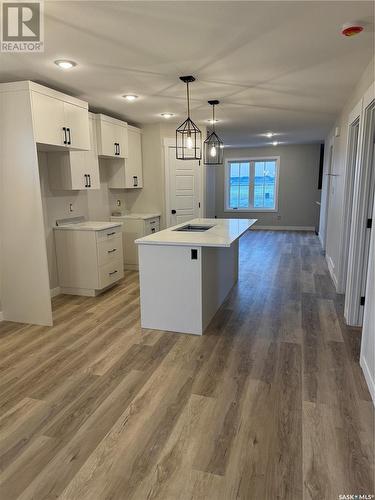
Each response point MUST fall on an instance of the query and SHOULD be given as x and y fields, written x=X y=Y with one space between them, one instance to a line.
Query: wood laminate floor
x=269 y=404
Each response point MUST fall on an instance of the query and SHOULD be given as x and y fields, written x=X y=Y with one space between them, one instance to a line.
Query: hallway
x=269 y=404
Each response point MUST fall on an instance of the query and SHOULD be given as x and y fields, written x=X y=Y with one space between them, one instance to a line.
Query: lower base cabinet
x=88 y=262
x=135 y=226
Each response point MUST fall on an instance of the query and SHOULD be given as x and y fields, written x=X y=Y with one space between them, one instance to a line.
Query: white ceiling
x=278 y=66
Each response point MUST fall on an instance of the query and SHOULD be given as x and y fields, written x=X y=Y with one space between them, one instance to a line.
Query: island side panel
x=219 y=275
x=170 y=288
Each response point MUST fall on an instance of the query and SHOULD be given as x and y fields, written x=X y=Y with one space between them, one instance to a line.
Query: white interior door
x=184 y=189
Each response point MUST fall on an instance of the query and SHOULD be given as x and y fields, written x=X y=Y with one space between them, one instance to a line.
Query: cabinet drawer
x=152 y=226
x=111 y=272
x=109 y=234
x=109 y=250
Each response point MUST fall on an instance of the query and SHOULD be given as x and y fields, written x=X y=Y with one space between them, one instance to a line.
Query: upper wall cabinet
x=59 y=120
x=112 y=136
x=133 y=170
x=75 y=170
x=127 y=174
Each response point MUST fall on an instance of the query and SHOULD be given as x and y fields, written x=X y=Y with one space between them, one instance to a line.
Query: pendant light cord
x=188 y=99
x=213 y=117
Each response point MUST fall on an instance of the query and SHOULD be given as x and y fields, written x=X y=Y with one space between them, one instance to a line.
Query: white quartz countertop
x=88 y=226
x=223 y=233
x=144 y=216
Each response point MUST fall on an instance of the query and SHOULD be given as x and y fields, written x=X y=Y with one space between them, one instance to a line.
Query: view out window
x=252 y=184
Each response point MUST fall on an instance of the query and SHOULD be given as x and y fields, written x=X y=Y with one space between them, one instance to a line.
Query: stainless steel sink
x=193 y=228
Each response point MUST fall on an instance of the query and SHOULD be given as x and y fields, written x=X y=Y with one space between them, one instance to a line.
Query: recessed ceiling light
x=65 y=64
x=212 y=121
x=130 y=97
x=167 y=115
x=269 y=134
x=275 y=143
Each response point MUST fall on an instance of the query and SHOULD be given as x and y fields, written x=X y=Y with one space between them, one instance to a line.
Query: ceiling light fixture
x=213 y=151
x=269 y=134
x=275 y=143
x=212 y=121
x=188 y=135
x=65 y=64
x=130 y=97
x=167 y=115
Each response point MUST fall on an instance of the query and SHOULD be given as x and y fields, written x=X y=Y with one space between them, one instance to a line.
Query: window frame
x=251 y=182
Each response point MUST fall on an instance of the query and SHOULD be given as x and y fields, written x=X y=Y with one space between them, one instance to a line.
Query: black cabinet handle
x=173 y=211
x=69 y=136
x=89 y=176
x=65 y=137
x=113 y=272
x=113 y=250
x=86 y=183
x=111 y=234
x=135 y=181
x=118 y=148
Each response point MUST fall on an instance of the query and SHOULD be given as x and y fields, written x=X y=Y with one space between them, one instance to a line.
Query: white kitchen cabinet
x=77 y=122
x=59 y=120
x=135 y=226
x=112 y=136
x=48 y=114
x=75 y=170
x=127 y=174
x=89 y=258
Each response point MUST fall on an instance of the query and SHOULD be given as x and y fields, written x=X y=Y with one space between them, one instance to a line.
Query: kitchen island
x=187 y=271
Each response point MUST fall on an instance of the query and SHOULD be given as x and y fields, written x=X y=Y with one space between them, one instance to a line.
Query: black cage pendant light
x=188 y=135
x=213 y=145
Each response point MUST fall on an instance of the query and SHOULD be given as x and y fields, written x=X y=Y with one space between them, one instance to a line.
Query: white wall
x=335 y=221
x=298 y=185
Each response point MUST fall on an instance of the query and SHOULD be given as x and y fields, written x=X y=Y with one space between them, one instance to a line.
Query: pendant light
x=213 y=145
x=188 y=135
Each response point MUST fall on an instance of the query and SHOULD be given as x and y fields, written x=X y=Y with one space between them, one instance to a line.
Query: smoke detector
x=351 y=29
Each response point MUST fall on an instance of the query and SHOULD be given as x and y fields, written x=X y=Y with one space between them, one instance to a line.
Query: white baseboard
x=285 y=228
x=369 y=380
x=55 y=291
x=1 y=316
x=331 y=269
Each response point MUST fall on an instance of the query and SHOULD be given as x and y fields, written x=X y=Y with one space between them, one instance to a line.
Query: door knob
x=173 y=211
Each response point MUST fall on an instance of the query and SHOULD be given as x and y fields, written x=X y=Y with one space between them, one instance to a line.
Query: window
x=251 y=185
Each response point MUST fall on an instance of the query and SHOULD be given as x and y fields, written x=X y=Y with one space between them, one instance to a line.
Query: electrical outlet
x=71 y=209
x=118 y=203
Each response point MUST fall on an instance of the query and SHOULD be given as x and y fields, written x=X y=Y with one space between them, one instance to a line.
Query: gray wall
x=298 y=185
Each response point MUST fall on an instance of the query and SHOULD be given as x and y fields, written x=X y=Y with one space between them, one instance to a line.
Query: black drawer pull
x=111 y=234
x=113 y=272
x=113 y=250
x=65 y=136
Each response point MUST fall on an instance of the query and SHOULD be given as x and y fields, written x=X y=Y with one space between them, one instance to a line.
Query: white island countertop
x=223 y=233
